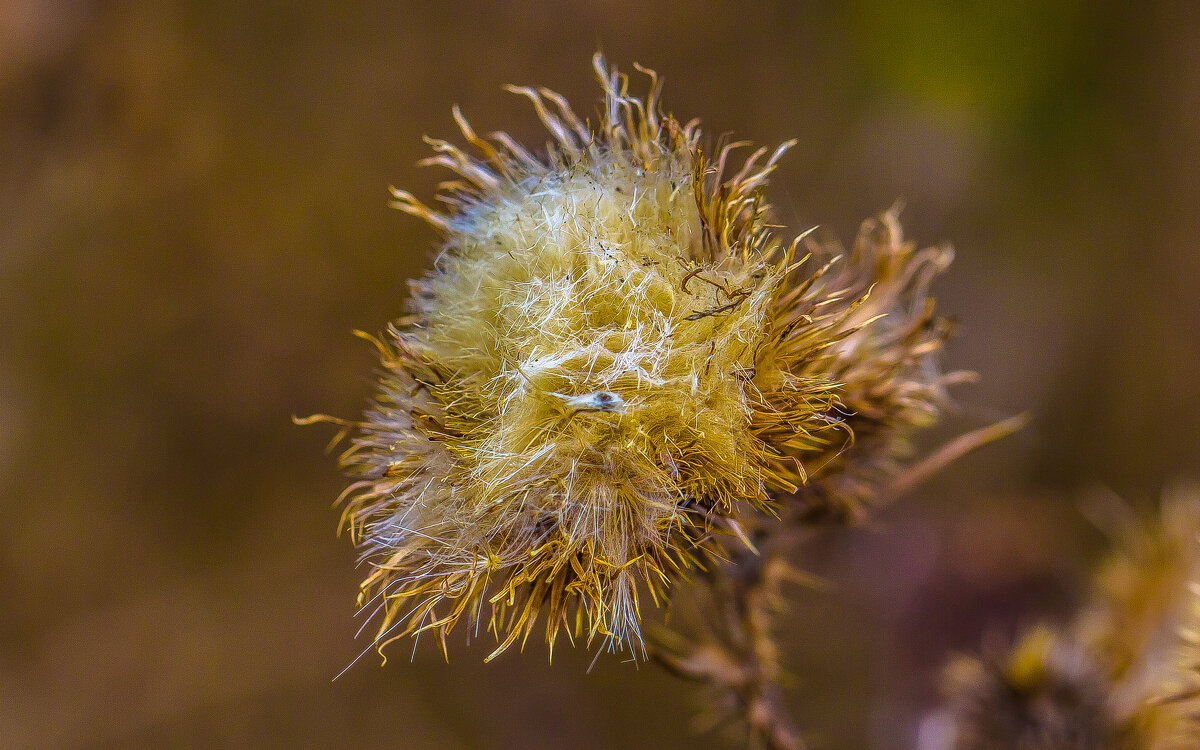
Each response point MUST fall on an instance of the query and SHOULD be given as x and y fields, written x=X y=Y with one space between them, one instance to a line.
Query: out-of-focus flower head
x=1124 y=676
x=1046 y=694
x=1144 y=624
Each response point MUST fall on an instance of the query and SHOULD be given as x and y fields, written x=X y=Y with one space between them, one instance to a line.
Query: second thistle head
x=614 y=368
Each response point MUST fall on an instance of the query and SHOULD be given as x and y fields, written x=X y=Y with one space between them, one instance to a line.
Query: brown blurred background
x=193 y=216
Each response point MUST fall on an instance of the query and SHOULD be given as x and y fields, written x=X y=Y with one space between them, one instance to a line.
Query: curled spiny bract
x=613 y=368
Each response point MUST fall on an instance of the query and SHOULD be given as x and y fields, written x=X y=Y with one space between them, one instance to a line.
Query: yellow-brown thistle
x=613 y=369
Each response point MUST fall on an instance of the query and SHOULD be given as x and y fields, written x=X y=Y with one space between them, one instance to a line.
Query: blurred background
x=193 y=217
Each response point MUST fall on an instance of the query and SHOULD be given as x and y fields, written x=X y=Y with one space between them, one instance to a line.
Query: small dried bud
x=1045 y=695
x=1127 y=677
x=612 y=369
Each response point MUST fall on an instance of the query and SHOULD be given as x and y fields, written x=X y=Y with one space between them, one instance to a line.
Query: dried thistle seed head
x=612 y=369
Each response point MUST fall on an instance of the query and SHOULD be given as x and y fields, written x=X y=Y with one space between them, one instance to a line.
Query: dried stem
x=738 y=656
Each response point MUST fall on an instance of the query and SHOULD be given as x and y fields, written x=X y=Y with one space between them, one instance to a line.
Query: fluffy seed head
x=613 y=368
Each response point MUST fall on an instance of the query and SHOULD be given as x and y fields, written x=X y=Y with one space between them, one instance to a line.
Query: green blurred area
x=193 y=217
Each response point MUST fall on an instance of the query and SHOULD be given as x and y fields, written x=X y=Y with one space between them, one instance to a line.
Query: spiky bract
x=613 y=367
x=884 y=359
